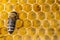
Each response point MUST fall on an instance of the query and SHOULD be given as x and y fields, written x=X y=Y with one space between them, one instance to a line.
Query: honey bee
x=13 y=16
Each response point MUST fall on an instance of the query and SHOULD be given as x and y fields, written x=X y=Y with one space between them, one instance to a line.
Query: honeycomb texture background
x=38 y=19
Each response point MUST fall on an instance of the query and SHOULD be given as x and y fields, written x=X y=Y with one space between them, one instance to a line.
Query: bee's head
x=14 y=15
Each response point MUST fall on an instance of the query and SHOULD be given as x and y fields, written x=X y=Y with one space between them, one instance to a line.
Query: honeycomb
x=38 y=19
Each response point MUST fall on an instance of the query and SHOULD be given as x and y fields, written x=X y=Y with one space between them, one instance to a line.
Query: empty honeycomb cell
x=41 y=1
x=22 y=31
x=58 y=1
x=22 y=1
x=1 y=23
x=1 y=7
x=19 y=23
x=36 y=23
x=50 y=15
x=55 y=37
x=36 y=7
x=45 y=7
x=4 y=15
x=50 y=1
x=2 y=38
x=4 y=1
x=41 y=15
x=9 y=37
x=58 y=15
x=32 y=1
x=54 y=23
x=41 y=31
x=58 y=31
x=22 y=15
x=31 y=31
x=27 y=37
x=8 y=7
x=27 y=7
x=4 y=31
x=18 y=7
x=32 y=15
x=55 y=7
x=51 y=31
x=17 y=37
x=27 y=23
x=46 y=24
x=13 y=1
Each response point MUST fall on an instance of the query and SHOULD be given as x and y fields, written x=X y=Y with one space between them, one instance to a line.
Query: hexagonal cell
x=8 y=7
x=22 y=1
x=31 y=31
x=50 y=15
x=36 y=23
x=18 y=7
x=13 y=1
x=9 y=37
x=1 y=7
x=27 y=7
x=41 y=15
x=45 y=7
x=36 y=7
x=55 y=23
x=51 y=31
x=19 y=24
x=55 y=7
x=55 y=37
x=1 y=23
x=4 y=1
x=27 y=37
x=58 y=31
x=27 y=23
x=2 y=38
x=4 y=31
x=31 y=1
x=4 y=15
x=41 y=31
x=58 y=15
x=22 y=15
x=46 y=24
x=58 y=1
x=17 y=37
x=46 y=37
x=50 y=1
x=41 y=1
x=32 y=15
x=22 y=31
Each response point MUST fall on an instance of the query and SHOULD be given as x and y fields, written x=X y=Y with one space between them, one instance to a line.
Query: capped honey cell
x=27 y=7
x=41 y=1
x=22 y=15
x=17 y=37
x=58 y=15
x=55 y=7
x=9 y=7
x=27 y=23
x=22 y=31
x=22 y=2
x=31 y=31
x=41 y=15
x=17 y=7
x=31 y=1
x=45 y=7
x=46 y=24
x=36 y=23
x=32 y=15
x=13 y=1
x=36 y=7
x=50 y=1
x=50 y=15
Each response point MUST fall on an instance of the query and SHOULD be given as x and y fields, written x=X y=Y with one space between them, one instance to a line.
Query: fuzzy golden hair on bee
x=12 y=21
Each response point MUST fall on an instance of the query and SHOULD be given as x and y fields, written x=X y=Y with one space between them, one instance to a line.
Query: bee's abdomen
x=11 y=25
